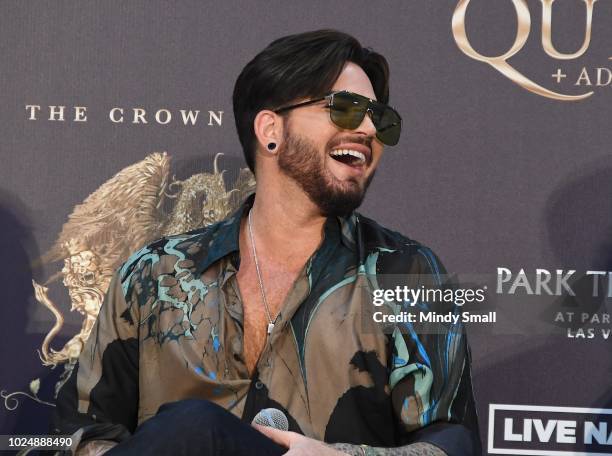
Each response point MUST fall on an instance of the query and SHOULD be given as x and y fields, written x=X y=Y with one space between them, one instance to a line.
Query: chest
x=255 y=317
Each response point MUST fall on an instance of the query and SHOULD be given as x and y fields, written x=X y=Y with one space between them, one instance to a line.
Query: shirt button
x=236 y=345
x=259 y=385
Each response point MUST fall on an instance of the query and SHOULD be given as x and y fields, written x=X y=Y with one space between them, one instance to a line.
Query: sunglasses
x=347 y=110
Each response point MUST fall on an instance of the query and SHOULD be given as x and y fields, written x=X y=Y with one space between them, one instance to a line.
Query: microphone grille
x=272 y=417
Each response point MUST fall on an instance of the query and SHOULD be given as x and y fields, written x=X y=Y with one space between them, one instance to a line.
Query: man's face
x=320 y=156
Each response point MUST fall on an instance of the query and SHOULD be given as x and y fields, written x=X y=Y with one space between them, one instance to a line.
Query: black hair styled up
x=304 y=65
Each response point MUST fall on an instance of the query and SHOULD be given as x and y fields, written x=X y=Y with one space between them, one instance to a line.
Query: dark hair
x=305 y=65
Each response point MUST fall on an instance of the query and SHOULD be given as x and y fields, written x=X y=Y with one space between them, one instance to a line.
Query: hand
x=298 y=444
x=95 y=448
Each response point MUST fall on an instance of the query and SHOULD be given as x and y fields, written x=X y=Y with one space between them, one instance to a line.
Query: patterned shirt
x=171 y=328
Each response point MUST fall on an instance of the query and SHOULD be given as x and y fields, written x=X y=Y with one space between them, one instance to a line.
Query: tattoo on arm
x=415 y=449
x=95 y=448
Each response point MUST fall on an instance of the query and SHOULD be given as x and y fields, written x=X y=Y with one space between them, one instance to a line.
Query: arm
x=430 y=376
x=414 y=449
x=99 y=401
x=299 y=444
x=95 y=448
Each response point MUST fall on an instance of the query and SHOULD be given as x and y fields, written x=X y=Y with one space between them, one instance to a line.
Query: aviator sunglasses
x=347 y=110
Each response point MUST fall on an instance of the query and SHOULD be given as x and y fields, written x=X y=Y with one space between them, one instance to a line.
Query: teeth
x=339 y=152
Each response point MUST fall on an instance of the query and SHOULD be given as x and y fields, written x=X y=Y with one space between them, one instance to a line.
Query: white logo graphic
x=550 y=431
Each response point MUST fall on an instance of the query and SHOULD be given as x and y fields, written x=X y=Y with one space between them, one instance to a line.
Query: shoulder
x=160 y=255
x=397 y=253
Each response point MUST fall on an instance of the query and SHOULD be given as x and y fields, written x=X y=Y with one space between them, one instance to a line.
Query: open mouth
x=348 y=157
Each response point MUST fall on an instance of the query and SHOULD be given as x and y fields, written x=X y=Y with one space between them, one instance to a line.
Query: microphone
x=273 y=418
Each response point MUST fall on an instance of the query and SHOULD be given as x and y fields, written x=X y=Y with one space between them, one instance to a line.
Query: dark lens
x=388 y=124
x=347 y=110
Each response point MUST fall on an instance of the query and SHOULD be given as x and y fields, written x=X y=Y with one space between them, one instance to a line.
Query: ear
x=268 y=128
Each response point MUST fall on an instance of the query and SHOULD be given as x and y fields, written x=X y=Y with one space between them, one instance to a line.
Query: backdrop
x=505 y=175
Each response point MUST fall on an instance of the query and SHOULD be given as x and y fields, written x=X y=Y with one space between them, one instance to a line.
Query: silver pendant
x=270 y=328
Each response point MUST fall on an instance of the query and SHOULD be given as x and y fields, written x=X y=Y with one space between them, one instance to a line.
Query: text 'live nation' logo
x=595 y=77
x=554 y=431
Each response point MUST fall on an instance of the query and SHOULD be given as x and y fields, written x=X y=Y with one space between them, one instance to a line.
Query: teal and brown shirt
x=171 y=328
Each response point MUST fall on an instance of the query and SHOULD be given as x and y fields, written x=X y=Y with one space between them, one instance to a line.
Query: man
x=272 y=307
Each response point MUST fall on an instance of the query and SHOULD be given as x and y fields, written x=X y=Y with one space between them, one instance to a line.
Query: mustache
x=357 y=139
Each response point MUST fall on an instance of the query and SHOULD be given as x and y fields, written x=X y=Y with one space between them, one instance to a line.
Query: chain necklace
x=260 y=280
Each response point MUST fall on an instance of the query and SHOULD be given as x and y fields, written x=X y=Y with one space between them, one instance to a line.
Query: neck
x=287 y=226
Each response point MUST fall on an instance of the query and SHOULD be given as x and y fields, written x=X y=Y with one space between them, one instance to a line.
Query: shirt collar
x=223 y=237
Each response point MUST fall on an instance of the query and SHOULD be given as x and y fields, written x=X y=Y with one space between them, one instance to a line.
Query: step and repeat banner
x=116 y=128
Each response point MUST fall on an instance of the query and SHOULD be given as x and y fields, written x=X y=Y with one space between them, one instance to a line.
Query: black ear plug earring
x=271 y=146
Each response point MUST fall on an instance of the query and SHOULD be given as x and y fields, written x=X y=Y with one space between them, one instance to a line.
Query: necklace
x=260 y=280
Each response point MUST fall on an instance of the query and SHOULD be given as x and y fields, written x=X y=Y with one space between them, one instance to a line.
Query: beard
x=300 y=160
